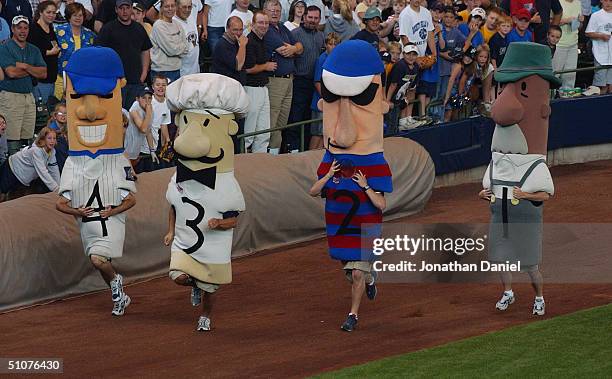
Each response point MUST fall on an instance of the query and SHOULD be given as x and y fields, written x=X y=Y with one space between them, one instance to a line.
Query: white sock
x=539 y=298
x=509 y=293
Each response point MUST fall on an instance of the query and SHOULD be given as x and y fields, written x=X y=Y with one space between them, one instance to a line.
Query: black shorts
x=8 y=180
x=428 y=89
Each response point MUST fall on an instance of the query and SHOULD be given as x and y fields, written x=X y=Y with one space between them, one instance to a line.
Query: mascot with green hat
x=517 y=181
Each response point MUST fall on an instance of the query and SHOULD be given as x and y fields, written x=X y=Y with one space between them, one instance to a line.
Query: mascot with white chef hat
x=204 y=195
x=97 y=185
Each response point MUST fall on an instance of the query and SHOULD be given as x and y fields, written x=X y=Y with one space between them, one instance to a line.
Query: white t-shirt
x=415 y=26
x=190 y=63
x=218 y=12
x=290 y=25
x=161 y=116
x=134 y=138
x=247 y=20
x=601 y=22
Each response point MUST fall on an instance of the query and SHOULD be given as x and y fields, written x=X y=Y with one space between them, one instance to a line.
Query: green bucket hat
x=524 y=59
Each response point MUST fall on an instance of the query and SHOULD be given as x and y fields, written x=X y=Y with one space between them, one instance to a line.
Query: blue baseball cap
x=94 y=70
x=350 y=68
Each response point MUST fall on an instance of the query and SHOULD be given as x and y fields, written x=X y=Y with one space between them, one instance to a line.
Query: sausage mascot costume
x=517 y=181
x=97 y=185
x=204 y=195
x=354 y=174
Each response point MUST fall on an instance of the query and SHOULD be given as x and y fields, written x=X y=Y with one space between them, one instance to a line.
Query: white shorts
x=601 y=78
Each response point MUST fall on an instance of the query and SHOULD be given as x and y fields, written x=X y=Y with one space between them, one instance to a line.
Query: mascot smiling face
x=352 y=100
x=93 y=101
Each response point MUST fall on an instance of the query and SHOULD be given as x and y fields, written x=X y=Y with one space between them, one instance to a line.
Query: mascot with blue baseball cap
x=97 y=185
x=354 y=174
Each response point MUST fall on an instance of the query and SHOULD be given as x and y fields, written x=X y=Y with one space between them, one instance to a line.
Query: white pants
x=566 y=58
x=258 y=118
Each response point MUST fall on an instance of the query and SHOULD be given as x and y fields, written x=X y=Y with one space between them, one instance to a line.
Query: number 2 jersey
x=347 y=206
x=97 y=183
x=195 y=204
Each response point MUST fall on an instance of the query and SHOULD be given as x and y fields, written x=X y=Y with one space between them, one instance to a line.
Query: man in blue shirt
x=22 y=64
x=283 y=49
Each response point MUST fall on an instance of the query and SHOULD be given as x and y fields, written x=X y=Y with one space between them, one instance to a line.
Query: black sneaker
x=371 y=290
x=350 y=323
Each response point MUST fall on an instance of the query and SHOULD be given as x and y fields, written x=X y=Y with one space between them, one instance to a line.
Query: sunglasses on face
x=364 y=98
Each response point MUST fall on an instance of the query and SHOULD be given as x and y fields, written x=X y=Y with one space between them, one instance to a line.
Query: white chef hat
x=218 y=93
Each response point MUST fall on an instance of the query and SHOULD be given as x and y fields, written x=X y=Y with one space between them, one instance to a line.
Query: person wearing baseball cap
x=471 y=29
x=139 y=16
x=371 y=19
x=520 y=32
x=21 y=63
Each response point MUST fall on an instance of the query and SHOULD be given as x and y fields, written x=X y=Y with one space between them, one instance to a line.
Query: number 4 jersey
x=98 y=183
x=197 y=250
x=347 y=206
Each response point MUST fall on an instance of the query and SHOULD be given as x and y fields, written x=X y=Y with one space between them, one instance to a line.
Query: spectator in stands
x=416 y=26
x=361 y=10
x=395 y=54
x=36 y=161
x=554 y=35
x=384 y=6
x=459 y=84
x=490 y=25
x=138 y=15
x=281 y=45
x=22 y=63
x=215 y=15
x=138 y=131
x=296 y=15
x=13 y=8
x=566 y=52
x=169 y=43
x=372 y=19
x=316 y=129
x=539 y=15
x=258 y=65
x=599 y=31
x=341 y=22
x=57 y=123
x=471 y=29
x=386 y=27
x=5 y=29
x=499 y=42
x=88 y=20
x=160 y=133
x=471 y=4
x=484 y=75
x=187 y=17
x=520 y=32
x=57 y=120
x=105 y=13
x=133 y=51
x=427 y=89
x=401 y=89
x=42 y=36
x=454 y=47
x=3 y=146
x=230 y=53
x=242 y=11
x=313 y=42
x=71 y=37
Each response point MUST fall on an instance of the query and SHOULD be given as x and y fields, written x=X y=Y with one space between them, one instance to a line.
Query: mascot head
x=206 y=106
x=93 y=80
x=352 y=99
x=522 y=109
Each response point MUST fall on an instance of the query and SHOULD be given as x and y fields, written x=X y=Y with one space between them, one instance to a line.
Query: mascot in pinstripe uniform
x=354 y=174
x=97 y=185
x=518 y=181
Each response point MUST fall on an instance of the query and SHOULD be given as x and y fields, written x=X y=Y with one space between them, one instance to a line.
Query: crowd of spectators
x=442 y=52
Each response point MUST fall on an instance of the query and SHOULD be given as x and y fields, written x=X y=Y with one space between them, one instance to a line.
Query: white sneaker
x=407 y=123
x=116 y=286
x=120 y=306
x=505 y=301
x=203 y=324
x=539 y=307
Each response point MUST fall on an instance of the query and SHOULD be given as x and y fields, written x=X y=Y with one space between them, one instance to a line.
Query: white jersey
x=415 y=26
x=195 y=204
x=97 y=183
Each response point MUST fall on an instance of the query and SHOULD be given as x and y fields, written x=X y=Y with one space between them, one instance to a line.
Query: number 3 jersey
x=97 y=183
x=198 y=250
x=347 y=206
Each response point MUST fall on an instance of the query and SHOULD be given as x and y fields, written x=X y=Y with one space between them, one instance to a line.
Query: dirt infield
x=281 y=316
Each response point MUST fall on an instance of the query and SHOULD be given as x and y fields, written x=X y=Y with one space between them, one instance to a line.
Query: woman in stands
x=296 y=13
x=36 y=161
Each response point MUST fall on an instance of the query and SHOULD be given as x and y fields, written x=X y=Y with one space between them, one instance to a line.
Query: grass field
x=578 y=345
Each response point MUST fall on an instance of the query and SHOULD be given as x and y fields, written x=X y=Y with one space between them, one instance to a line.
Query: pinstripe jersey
x=348 y=207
